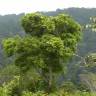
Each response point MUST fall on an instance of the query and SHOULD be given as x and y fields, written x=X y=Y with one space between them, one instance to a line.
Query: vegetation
x=44 y=58
x=48 y=44
x=10 y=26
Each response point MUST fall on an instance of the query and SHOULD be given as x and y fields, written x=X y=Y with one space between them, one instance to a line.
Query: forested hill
x=10 y=25
x=82 y=15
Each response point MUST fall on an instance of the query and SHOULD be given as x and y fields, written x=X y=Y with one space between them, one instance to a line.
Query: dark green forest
x=78 y=76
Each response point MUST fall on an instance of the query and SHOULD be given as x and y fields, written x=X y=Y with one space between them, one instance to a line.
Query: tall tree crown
x=50 y=43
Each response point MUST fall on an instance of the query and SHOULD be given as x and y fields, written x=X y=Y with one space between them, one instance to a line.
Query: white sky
x=19 y=6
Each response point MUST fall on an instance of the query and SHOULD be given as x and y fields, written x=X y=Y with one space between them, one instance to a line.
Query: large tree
x=49 y=43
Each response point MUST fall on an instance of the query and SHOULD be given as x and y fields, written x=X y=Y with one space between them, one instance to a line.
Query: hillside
x=42 y=62
x=10 y=25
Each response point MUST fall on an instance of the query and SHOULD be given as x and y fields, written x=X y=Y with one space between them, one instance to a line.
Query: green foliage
x=50 y=44
x=69 y=87
x=61 y=44
x=52 y=51
x=10 y=26
x=39 y=93
x=36 y=24
x=40 y=63
x=8 y=72
x=9 y=46
x=10 y=89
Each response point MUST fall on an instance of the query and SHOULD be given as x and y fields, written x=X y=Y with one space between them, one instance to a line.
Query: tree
x=49 y=43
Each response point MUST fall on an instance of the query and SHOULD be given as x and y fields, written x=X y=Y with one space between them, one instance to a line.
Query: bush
x=11 y=88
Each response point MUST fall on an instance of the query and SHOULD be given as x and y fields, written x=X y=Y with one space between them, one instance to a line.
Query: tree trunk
x=50 y=80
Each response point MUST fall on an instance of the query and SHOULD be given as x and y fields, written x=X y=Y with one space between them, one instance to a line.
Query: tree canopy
x=49 y=43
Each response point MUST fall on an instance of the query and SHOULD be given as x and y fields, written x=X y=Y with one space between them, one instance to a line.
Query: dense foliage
x=10 y=25
x=45 y=38
x=50 y=43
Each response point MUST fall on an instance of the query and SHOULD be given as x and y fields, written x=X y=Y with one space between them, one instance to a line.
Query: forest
x=48 y=53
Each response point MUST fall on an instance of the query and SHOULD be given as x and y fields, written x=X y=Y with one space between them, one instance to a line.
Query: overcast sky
x=19 y=6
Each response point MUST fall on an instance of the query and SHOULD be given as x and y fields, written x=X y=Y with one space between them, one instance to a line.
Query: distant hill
x=10 y=26
x=82 y=15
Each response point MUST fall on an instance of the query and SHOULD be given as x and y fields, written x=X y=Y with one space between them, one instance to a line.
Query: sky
x=19 y=6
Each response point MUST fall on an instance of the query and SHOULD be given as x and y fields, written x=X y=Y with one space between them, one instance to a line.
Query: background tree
x=50 y=43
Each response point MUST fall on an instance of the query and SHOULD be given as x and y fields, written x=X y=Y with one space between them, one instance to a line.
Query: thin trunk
x=50 y=80
x=21 y=81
